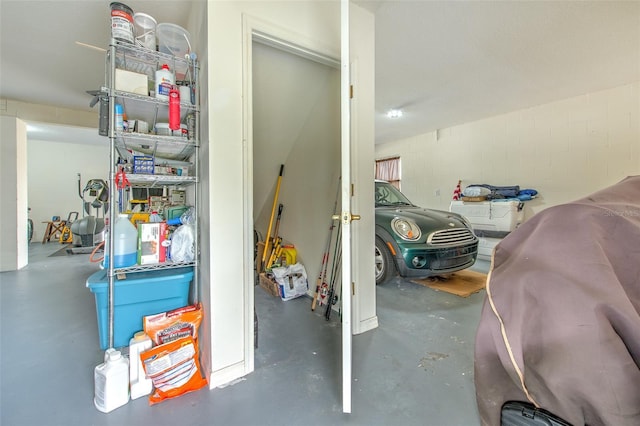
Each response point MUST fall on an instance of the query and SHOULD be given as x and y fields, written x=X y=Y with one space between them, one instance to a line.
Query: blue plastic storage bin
x=140 y=294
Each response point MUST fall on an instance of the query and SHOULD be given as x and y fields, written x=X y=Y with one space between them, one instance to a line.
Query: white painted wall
x=13 y=177
x=315 y=25
x=15 y=196
x=53 y=169
x=565 y=150
x=296 y=122
x=198 y=29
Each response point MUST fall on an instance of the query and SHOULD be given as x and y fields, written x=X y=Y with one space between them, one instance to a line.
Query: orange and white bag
x=171 y=325
x=174 y=369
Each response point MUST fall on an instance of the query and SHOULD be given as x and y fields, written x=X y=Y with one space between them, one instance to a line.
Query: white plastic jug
x=165 y=80
x=111 y=380
x=139 y=383
x=125 y=242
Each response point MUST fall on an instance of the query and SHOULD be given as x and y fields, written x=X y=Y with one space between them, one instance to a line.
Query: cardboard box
x=177 y=197
x=259 y=251
x=163 y=170
x=157 y=203
x=269 y=285
x=143 y=164
x=133 y=82
x=152 y=243
x=139 y=295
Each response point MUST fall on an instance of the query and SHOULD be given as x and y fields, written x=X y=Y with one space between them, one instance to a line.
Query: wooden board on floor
x=462 y=283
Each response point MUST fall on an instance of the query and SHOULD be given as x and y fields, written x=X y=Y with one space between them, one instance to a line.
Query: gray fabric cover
x=567 y=287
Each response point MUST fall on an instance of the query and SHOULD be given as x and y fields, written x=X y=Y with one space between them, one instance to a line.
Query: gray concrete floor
x=415 y=369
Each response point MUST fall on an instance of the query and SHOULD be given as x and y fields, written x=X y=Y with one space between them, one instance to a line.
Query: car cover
x=560 y=325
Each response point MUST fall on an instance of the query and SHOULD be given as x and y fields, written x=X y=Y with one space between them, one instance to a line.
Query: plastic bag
x=172 y=325
x=174 y=369
x=292 y=281
x=188 y=217
x=183 y=244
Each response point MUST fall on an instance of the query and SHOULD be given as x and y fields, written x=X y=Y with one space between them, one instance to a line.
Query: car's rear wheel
x=385 y=267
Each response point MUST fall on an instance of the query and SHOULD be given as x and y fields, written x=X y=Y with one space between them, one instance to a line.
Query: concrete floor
x=415 y=369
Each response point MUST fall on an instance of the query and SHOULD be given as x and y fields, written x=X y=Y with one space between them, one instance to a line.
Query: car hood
x=428 y=220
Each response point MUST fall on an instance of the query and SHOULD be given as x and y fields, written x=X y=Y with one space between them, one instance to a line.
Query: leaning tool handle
x=276 y=247
x=273 y=212
x=323 y=270
x=325 y=256
x=276 y=229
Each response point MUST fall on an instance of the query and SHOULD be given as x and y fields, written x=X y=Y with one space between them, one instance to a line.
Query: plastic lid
x=140 y=335
x=115 y=355
x=144 y=20
x=173 y=38
x=165 y=67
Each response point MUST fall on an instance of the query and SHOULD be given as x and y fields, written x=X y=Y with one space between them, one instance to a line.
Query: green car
x=415 y=242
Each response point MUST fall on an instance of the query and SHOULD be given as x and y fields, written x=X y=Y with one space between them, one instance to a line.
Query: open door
x=345 y=216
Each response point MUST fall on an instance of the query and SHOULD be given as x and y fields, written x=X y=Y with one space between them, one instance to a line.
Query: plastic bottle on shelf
x=125 y=242
x=119 y=118
x=140 y=384
x=111 y=382
x=154 y=217
x=174 y=108
x=188 y=217
x=165 y=80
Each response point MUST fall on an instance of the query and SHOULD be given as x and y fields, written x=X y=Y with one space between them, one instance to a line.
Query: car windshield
x=388 y=195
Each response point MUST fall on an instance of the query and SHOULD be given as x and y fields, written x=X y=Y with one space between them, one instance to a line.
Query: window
x=389 y=169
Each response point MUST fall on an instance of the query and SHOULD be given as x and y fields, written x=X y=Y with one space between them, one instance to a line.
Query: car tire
x=385 y=268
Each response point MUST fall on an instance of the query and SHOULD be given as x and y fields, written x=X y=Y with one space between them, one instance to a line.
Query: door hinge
x=351 y=91
x=353 y=288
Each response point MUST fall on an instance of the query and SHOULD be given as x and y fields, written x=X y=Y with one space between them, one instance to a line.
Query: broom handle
x=273 y=212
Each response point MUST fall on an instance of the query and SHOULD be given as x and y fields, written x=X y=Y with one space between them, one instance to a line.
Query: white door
x=346 y=216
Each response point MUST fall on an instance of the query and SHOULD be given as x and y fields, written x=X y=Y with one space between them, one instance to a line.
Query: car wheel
x=385 y=267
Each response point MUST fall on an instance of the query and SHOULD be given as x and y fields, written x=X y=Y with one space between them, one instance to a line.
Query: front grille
x=454 y=262
x=451 y=237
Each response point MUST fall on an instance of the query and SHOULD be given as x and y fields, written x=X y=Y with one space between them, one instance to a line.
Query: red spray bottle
x=174 y=108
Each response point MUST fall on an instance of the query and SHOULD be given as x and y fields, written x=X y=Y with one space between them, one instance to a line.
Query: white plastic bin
x=490 y=218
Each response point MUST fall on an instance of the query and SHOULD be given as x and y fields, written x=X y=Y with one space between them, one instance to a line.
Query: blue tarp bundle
x=506 y=192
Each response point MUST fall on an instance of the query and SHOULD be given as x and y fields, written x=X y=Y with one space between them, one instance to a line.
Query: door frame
x=254 y=29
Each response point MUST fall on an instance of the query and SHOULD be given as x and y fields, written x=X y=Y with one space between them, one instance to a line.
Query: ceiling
x=442 y=62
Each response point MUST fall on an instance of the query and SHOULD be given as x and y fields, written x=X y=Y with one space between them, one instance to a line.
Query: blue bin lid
x=99 y=280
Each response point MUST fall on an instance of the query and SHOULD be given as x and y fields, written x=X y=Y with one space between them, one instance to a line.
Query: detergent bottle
x=111 y=381
x=139 y=383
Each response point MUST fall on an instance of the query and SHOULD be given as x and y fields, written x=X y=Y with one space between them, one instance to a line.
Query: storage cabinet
x=145 y=153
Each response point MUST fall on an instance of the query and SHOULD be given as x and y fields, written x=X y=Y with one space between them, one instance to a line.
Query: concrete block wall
x=565 y=150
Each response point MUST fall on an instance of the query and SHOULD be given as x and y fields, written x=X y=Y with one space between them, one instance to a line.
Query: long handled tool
x=275 y=238
x=275 y=253
x=322 y=275
x=273 y=213
x=335 y=272
x=323 y=270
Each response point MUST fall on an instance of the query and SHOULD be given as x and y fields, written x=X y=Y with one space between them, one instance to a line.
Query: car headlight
x=406 y=229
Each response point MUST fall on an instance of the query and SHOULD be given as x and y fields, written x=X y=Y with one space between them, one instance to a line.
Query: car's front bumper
x=422 y=261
